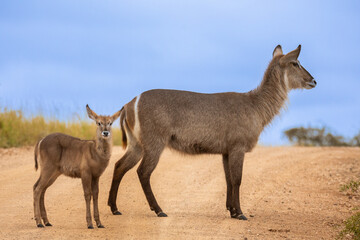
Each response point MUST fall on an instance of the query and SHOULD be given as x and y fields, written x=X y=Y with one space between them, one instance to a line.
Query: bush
x=16 y=130
x=356 y=140
x=318 y=137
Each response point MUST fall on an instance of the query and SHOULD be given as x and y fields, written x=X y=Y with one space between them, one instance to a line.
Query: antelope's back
x=190 y=122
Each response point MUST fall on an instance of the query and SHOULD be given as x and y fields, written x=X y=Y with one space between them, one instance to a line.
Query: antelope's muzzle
x=312 y=84
x=105 y=133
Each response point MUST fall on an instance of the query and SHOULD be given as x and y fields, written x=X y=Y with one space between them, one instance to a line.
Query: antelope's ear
x=291 y=56
x=115 y=116
x=277 y=51
x=91 y=113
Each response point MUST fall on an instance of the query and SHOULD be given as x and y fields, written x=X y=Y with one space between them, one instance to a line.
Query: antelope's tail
x=123 y=133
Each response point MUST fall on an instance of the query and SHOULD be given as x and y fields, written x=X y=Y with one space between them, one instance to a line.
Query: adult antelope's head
x=295 y=75
x=103 y=122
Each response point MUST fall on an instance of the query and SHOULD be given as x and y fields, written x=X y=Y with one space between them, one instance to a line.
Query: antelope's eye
x=110 y=123
x=98 y=123
x=295 y=64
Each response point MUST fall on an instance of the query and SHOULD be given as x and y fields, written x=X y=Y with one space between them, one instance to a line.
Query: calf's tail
x=36 y=152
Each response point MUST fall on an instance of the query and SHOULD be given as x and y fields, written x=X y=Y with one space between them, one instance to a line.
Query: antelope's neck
x=104 y=147
x=270 y=97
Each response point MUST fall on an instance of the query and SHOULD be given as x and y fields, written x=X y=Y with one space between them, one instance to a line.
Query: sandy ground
x=287 y=193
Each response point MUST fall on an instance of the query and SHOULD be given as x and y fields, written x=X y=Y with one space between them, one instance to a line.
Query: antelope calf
x=194 y=123
x=73 y=157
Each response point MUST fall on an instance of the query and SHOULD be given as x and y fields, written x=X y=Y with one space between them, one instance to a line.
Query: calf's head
x=103 y=122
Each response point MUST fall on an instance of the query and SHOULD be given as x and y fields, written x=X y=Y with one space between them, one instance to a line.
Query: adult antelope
x=194 y=123
x=73 y=157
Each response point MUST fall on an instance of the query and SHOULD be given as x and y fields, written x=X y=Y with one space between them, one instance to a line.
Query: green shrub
x=352 y=185
x=352 y=227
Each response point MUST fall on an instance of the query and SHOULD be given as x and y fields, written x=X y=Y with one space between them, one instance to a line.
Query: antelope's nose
x=105 y=133
x=312 y=83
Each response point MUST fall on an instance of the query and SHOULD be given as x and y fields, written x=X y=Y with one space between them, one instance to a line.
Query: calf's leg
x=86 y=180
x=95 y=193
x=39 y=187
x=42 y=201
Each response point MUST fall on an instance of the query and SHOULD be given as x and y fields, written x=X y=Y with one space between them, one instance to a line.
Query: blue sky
x=57 y=56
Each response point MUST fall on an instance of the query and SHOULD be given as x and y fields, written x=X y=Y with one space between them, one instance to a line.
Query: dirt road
x=287 y=192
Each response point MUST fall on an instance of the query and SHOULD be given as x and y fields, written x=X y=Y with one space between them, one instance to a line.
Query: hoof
x=40 y=225
x=90 y=227
x=241 y=217
x=100 y=226
x=161 y=214
x=48 y=224
x=116 y=212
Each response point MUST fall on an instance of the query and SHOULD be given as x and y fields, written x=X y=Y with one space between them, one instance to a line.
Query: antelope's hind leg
x=147 y=166
x=128 y=161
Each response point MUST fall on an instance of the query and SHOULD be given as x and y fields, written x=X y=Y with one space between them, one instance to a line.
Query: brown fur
x=194 y=123
x=130 y=119
x=73 y=157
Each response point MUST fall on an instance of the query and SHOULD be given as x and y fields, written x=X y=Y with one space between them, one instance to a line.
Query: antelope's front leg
x=228 y=182
x=95 y=193
x=86 y=182
x=236 y=162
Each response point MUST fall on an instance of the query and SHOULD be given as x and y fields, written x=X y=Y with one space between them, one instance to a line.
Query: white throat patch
x=286 y=80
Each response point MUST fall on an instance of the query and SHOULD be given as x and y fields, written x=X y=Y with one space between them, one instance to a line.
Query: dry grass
x=17 y=130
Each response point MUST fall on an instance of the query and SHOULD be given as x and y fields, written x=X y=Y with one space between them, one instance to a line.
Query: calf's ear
x=91 y=113
x=115 y=116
